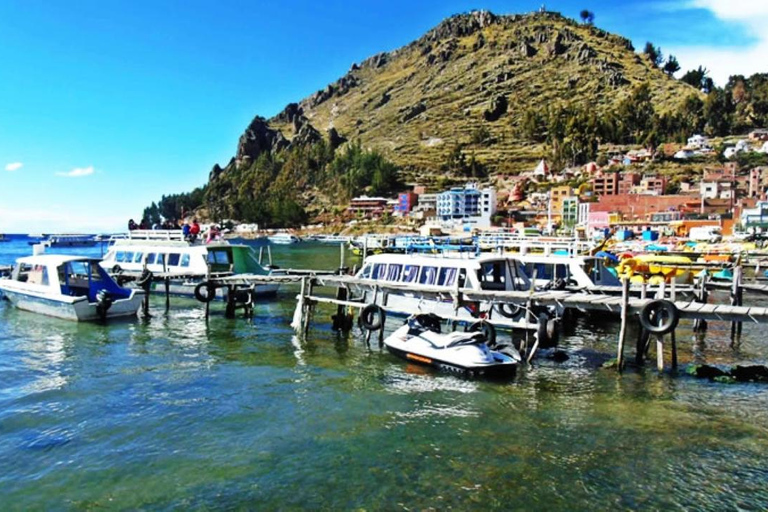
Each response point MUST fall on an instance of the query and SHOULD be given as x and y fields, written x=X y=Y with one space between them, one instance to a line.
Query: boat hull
x=70 y=308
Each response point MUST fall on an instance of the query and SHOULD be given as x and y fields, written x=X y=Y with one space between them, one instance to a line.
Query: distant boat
x=330 y=239
x=68 y=241
x=283 y=239
x=69 y=287
x=4 y=238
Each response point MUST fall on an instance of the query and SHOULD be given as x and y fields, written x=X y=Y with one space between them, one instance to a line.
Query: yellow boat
x=655 y=269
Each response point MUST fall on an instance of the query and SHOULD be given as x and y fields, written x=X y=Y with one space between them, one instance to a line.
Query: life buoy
x=488 y=330
x=509 y=310
x=205 y=296
x=372 y=317
x=659 y=316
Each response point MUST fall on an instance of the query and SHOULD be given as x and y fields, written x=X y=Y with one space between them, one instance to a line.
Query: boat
x=557 y=271
x=329 y=239
x=4 y=238
x=283 y=239
x=449 y=272
x=69 y=287
x=655 y=269
x=187 y=263
x=373 y=244
x=420 y=340
x=67 y=241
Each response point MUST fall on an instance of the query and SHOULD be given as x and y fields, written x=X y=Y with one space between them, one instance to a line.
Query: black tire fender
x=659 y=316
x=509 y=310
x=117 y=269
x=205 y=296
x=488 y=330
x=372 y=317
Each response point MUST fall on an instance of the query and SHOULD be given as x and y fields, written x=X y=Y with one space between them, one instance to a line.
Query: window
x=428 y=275
x=492 y=275
x=95 y=274
x=151 y=258
x=160 y=259
x=379 y=270
x=120 y=256
x=393 y=272
x=185 y=260
x=410 y=273
x=137 y=257
x=447 y=277
x=218 y=257
x=366 y=272
x=173 y=259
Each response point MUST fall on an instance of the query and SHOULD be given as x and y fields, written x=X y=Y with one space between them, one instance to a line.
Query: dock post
x=167 y=293
x=736 y=299
x=231 y=305
x=673 y=338
x=342 y=266
x=365 y=247
x=308 y=306
x=660 y=352
x=624 y=321
x=644 y=290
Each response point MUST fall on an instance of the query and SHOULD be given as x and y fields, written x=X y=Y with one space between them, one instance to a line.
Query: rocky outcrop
x=258 y=138
x=497 y=109
x=334 y=139
x=409 y=113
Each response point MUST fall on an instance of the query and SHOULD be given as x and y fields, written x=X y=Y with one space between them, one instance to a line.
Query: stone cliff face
x=476 y=71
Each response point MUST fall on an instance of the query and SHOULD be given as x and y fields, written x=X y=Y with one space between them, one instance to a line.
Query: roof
x=53 y=259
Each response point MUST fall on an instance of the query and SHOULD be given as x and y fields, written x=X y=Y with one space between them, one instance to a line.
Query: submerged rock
x=705 y=371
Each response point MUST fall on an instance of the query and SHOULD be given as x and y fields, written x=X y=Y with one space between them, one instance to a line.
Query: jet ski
x=419 y=340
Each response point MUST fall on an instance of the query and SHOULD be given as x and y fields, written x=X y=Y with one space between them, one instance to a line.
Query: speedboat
x=283 y=239
x=419 y=340
x=69 y=287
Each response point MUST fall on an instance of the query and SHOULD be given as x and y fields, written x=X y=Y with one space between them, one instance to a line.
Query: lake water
x=171 y=412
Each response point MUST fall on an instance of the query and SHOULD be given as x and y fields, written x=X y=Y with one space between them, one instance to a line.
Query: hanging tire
x=659 y=316
x=508 y=310
x=372 y=317
x=144 y=279
x=117 y=269
x=103 y=303
x=546 y=330
x=488 y=330
x=205 y=292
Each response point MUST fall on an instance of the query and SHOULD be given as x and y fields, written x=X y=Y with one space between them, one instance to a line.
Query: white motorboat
x=69 y=287
x=283 y=239
x=188 y=263
x=557 y=271
x=419 y=340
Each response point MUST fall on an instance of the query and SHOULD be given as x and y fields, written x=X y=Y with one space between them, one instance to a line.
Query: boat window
x=38 y=274
x=539 y=270
x=379 y=270
x=173 y=259
x=160 y=259
x=151 y=258
x=137 y=257
x=411 y=273
x=428 y=275
x=218 y=257
x=120 y=256
x=95 y=274
x=492 y=275
x=366 y=272
x=393 y=272
x=561 y=271
x=185 y=260
x=128 y=257
x=447 y=277
x=462 y=278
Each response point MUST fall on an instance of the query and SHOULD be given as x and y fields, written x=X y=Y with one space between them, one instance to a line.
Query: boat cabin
x=73 y=276
x=580 y=271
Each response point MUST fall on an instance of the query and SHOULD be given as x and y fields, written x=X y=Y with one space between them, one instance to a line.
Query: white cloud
x=77 y=172
x=13 y=166
x=722 y=62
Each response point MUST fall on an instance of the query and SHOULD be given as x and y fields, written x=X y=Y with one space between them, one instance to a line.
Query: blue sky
x=107 y=105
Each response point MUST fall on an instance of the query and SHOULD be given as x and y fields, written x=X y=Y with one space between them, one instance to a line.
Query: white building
x=468 y=205
x=698 y=141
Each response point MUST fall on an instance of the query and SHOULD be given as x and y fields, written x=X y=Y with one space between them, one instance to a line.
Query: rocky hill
x=466 y=83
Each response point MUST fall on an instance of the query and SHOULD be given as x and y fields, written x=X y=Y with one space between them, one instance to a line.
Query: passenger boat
x=420 y=340
x=4 y=238
x=69 y=287
x=166 y=252
x=329 y=239
x=449 y=272
x=373 y=244
x=283 y=239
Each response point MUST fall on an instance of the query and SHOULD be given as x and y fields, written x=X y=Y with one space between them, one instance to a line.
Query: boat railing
x=175 y=235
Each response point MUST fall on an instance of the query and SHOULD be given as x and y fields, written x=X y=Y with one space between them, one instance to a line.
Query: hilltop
x=478 y=96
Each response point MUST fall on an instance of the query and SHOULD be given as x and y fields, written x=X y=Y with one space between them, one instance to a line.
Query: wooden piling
x=624 y=321
x=660 y=352
x=167 y=293
x=673 y=339
x=735 y=292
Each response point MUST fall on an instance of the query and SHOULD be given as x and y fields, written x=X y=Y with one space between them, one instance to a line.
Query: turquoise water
x=171 y=412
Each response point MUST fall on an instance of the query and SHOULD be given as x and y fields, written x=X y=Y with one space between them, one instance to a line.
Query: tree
x=698 y=78
x=672 y=66
x=587 y=17
x=654 y=54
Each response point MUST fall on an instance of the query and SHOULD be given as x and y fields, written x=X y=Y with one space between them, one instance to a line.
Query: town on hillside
x=620 y=194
